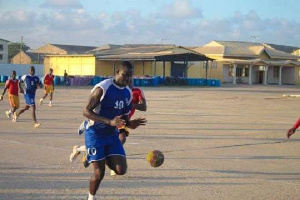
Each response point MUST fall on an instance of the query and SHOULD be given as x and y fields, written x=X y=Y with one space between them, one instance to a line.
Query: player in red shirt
x=49 y=86
x=13 y=94
x=292 y=130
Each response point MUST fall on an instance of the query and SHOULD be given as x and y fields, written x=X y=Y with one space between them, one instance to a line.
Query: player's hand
x=133 y=124
x=1 y=97
x=117 y=121
x=290 y=132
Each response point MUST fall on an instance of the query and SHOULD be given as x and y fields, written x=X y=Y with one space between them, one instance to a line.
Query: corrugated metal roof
x=74 y=49
x=242 y=49
x=286 y=49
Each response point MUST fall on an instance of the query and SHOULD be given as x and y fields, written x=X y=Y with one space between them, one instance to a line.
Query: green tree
x=14 y=48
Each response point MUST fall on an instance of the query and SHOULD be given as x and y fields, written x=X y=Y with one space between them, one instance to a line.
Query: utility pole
x=21 y=46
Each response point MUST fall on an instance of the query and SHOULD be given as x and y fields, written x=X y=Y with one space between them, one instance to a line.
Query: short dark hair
x=126 y=64
x=13 y=71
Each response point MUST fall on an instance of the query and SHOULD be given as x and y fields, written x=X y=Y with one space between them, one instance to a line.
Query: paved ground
x=219 y=143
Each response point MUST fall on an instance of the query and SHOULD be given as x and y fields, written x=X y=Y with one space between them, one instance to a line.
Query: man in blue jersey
x=108 y=107
x=31 y=83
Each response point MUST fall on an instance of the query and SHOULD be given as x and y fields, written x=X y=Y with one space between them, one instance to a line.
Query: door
x=178 y=69
x=260 y=77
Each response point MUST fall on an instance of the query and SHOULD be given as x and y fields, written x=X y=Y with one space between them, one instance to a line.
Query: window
x=246 y=72
x=276 y=72
x=1 y=47
x=239 y=71
x=1 y=56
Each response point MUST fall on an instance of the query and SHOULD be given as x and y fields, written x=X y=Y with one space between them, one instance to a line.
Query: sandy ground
x=219 y=143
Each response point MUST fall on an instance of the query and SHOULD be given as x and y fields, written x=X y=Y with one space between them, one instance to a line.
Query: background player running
x=292 y=130
x=13 y=94
x=48 y=86
x=31 y=83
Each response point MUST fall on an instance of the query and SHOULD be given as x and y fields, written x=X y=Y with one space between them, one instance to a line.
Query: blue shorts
x=100 y=145
x=29 y=99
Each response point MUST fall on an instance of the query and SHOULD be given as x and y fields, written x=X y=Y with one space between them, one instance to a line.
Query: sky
x=179 y=22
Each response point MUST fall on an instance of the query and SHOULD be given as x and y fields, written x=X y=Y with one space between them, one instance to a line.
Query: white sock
x=10 y=111
x=50 y=102
x=81 y=148
x=91 y=197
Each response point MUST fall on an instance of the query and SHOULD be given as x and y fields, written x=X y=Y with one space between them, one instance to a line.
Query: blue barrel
x=155 y=81
x=191 y=81
x=199 y=82
x=145 y=82
x=56 y=80
x=208 y=82
x=4 y=79
x=215 y=83
x=136 y=82
x=161 y=80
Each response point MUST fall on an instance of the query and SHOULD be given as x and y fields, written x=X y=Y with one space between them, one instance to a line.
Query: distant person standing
x=292 y=130
x=49 y=86
x=13 y=94
x=66 y=78
x=31 y=83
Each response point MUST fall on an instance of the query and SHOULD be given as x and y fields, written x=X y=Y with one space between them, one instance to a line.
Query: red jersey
x=13 y=86
x=297 y=124
x=137 y=96
x=48 y=80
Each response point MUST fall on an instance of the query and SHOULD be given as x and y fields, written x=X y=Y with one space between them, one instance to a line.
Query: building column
x=250 y=75
x=234 y=74
x=280 y=75
x=266 y=75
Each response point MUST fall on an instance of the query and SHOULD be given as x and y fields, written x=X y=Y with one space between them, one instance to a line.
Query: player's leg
x=33 y=115
x=117 y=163
x=122 y=137
x=97 y=177
x=116 y=158
x=51 y=97
x=16 y=106
x=17 y=114
x=76 y=151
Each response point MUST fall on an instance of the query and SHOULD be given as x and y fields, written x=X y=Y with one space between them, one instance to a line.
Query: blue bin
x=161 y=80
x=191 y=81
x=199 y=82
x=145 y=82
x=208 y=82
x=136 y=82
x=215 y=83
x=4 y=79
x=56 y=80
x=155 y=81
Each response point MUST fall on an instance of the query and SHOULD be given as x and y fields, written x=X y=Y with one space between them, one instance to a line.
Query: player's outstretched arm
x=93 y=102
x=292 y=130
x=133 y=124
x=1 y=97
x=141 y=106
x=20 y=85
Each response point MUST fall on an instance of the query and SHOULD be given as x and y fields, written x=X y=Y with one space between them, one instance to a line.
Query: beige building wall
x=74 y=65
x=105 y=68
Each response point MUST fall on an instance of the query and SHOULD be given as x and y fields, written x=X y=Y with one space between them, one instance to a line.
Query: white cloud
x=62 y=4
x=180 y=9
x=79 y=27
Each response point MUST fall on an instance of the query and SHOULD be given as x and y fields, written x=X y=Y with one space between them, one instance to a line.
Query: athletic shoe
x=41 y=101
x=8 y=113
x=50 y=104
x=36 y=125
x=112 y=173
x=74 y=154
x=15 y=117
x=81 y=128
x=84 y=161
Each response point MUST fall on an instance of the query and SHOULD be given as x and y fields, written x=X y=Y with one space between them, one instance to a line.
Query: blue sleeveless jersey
x=115 y=101
x=31 y=83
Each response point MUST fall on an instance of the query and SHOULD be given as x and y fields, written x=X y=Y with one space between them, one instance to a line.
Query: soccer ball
x=155 y=158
